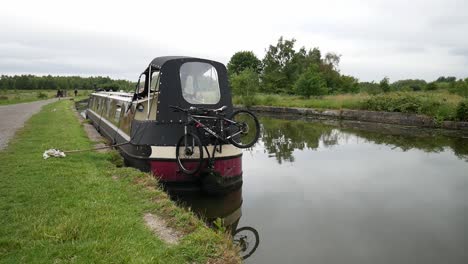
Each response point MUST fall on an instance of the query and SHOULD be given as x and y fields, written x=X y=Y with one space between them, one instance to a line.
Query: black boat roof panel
x=158 y=62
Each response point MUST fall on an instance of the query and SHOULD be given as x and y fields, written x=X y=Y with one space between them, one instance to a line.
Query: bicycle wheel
x=246 y=129
x=247 y=239
x=189 y=153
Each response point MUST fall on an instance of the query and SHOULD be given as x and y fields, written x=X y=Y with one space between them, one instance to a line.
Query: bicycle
x=241 y=129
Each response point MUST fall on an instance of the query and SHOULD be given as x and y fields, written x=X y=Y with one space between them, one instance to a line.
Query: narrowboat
x=145 y=129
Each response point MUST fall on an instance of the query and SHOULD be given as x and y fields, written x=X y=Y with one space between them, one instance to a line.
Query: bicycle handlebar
x=176 y=108
x=194 y=109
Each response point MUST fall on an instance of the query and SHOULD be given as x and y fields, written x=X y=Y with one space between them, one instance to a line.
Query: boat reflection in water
x=228 y=208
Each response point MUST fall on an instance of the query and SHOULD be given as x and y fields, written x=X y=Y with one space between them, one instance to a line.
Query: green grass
x=83 y=209
x=440 y=105
x=23 y=96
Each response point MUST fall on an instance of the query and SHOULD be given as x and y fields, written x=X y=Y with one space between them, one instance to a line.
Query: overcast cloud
x=398 y=39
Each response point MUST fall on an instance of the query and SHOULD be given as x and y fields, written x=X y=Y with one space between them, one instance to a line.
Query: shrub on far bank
x=311 y=83
x=41 y=95
x=426 y=104
x=245 y=86
x=460 y=87
x=462 y=111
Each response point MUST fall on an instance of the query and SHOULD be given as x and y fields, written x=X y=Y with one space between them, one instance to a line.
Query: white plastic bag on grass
x=53 y=153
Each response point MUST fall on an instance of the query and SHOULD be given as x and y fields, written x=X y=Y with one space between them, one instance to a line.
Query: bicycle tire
x=189 y=158
x=252 y=137
x=256 y=236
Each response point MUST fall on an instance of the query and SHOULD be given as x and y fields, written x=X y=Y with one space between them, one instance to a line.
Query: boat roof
x=158 y=62
x=122 y=96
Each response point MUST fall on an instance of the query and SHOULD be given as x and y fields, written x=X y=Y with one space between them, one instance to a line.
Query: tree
x=451 y=79
x=242 y=60
x=329 y=69
x=460 y=87
x=245 y=85
x=349 y=84
x=431 y=86
x=409 y=84
x=333 y=60
x=311 y=83
x=315 y=56
x=369 y=87
x=384 y=85
x=277 y=75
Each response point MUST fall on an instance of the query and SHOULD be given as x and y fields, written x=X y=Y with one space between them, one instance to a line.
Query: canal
x=352 y=193
x=349 y=192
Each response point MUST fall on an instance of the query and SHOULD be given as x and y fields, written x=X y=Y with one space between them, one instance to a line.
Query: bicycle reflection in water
x=247 y=239
x=226 y=208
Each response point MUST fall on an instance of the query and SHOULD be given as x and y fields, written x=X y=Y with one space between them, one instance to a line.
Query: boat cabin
x=144 y=119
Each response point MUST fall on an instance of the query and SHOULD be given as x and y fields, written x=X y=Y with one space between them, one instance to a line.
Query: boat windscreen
x=200 y=83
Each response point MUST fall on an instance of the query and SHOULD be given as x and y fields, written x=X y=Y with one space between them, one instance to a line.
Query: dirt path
x=12 y=117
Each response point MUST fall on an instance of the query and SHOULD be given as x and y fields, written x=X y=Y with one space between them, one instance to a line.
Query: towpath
x=12 y=118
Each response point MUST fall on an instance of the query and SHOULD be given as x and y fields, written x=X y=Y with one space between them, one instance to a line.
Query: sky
x=376 y=38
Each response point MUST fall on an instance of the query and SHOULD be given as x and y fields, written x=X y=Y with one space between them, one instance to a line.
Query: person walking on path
x=76 y=92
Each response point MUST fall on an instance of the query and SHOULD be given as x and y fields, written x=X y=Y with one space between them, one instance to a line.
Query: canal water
x=348 y=192
x=352 y=193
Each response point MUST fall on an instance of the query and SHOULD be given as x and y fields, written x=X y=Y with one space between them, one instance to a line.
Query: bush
x=349 y=84
x=409 y=103
x=42 y=95
x=311 y=83
x=460 y=87
x=462 y=111
x=385 y=84
x=404 y=103
x=245 y=85
x=370 y=88
x=431 y=86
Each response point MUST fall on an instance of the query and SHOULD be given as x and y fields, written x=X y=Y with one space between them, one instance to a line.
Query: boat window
x=141 y=86
x=118 y=111
x=200 y=84
x=155 y=81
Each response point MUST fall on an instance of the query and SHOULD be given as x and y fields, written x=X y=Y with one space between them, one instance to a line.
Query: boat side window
x=118 y=112
x=200 y=83
x=155 y=81
x=142 y=85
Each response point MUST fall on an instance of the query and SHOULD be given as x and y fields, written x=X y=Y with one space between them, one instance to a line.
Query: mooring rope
x=62 y=154
x=91 y=149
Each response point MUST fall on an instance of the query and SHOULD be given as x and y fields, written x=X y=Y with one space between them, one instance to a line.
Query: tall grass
x=441 y=105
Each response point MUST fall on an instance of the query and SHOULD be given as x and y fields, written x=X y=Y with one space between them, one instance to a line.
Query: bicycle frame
x=199 y=124
x=218 y=118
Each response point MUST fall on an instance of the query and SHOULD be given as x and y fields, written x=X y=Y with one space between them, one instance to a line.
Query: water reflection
x=227 y=208
x=347 y=193
x=281 y=137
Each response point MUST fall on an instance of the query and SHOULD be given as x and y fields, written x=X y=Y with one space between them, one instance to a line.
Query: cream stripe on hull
x=169 y=152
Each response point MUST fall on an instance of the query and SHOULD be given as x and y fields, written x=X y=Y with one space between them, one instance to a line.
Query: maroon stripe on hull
x=168 y=171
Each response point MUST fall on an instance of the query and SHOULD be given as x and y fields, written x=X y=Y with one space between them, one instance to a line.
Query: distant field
x=23 y=96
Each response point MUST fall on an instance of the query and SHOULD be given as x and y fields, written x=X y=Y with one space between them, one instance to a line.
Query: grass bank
x=23 y=96
x=441 y=105
x=83 y=209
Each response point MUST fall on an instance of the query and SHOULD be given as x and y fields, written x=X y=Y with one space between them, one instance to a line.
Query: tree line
x=306 y=72
x=32 y=82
